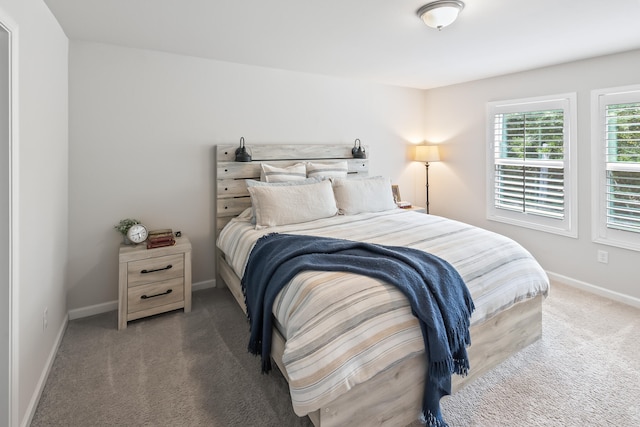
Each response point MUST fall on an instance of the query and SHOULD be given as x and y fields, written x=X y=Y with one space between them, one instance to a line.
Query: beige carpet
x=584 y=372
x=193 y=369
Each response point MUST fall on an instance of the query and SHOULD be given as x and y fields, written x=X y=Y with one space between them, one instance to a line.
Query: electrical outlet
x=603 y=257
x=45 y=319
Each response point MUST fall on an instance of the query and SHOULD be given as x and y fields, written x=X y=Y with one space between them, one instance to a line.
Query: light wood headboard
x=232 y=196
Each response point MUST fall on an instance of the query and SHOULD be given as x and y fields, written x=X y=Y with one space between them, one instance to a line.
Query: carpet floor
x=193 y=369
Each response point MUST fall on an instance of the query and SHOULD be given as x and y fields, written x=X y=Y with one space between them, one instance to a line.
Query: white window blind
x=622 y=145
x=530 y=173
x=529 y=162
x=616 y=166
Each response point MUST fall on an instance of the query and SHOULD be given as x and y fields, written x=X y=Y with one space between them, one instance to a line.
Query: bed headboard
x=232 y=196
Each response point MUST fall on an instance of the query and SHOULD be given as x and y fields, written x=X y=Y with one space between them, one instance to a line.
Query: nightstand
x=153 y=281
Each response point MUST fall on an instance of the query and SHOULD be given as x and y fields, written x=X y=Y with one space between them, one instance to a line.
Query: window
x=616 y=157
x=530 y=170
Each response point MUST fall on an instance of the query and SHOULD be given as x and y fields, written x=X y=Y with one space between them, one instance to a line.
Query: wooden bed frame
x=393 y=397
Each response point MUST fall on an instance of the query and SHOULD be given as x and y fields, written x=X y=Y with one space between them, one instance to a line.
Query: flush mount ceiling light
x=441 y=13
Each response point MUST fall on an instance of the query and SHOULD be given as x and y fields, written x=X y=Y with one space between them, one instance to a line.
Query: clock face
x=137 y=233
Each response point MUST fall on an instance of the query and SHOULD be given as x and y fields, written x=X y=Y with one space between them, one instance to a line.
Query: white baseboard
x=616 y=296
x=203 y=285
x=33 y=403
x=78 y=313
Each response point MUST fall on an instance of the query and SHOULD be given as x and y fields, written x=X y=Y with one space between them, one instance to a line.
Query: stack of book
x=160 y=238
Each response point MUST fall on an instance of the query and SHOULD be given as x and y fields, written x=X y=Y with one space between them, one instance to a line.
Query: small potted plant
x=123 y=226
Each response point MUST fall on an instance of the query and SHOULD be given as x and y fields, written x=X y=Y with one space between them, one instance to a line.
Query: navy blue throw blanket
x=438 y=296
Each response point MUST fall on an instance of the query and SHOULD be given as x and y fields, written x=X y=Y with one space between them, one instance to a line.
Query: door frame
x=7 y=24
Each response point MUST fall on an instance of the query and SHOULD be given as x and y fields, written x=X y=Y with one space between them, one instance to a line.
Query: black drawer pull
x=156 y=295
x=157 y=269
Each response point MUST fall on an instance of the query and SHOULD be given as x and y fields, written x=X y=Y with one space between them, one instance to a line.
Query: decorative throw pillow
x=292 y=204
x=271 y=173
x=254 y=183
x=328 y=170
x=358 y=195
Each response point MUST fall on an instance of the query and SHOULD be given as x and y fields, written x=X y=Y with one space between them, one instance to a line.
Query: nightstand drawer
x=144 y=297
x=155 y=270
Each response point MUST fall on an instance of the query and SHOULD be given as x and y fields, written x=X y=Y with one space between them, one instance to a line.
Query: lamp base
x=426 y=165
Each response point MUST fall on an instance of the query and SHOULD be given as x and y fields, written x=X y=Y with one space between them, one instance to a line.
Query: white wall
x=143 y=126
x=456 y=116
x=42 y=193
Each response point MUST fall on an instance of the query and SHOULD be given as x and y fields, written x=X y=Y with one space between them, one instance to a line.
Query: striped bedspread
x=341 y=329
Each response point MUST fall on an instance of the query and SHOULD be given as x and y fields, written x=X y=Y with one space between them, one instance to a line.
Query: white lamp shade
x=427 y=153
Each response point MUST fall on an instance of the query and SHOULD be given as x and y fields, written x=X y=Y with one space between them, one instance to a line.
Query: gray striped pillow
x=328 y=170
x=296 y=172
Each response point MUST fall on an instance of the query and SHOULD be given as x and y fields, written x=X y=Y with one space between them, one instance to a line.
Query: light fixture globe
x=441 y=13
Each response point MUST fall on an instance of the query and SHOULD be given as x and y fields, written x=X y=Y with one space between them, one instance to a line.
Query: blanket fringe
x=449 y=366
x=461 y=367
x=441 y=368
x=255 y=348
x=266 y=365
x=430 y=420
x=459 y=335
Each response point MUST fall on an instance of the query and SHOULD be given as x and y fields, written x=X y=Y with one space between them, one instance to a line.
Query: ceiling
x=382 y=41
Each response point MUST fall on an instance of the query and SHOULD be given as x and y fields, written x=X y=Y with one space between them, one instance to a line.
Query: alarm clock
x=137 y=233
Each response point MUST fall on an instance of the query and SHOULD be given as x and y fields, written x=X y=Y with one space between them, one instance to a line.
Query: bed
x=507 y=285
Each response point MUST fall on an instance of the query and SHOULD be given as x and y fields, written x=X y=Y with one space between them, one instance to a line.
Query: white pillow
x=359 y=195
x=328 y=170
x=292 y=204
x=254 y=183
x=296 y=172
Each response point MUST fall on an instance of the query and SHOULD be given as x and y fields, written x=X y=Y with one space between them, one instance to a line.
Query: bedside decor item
x=137 y=233
x=123 y=227
x=241 y=152
x=357 y=151
x=441 y=13
x=402 y=204
x=160 y=238
x=396 y=194
x=426 y=154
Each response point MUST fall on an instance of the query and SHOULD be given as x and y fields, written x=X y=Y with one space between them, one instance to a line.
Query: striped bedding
x=342 y=329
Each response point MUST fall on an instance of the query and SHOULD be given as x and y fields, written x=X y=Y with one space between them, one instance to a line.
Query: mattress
x=342 y=329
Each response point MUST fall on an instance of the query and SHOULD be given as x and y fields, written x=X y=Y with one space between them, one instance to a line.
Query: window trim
x=600 y=233
x=569 y=225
